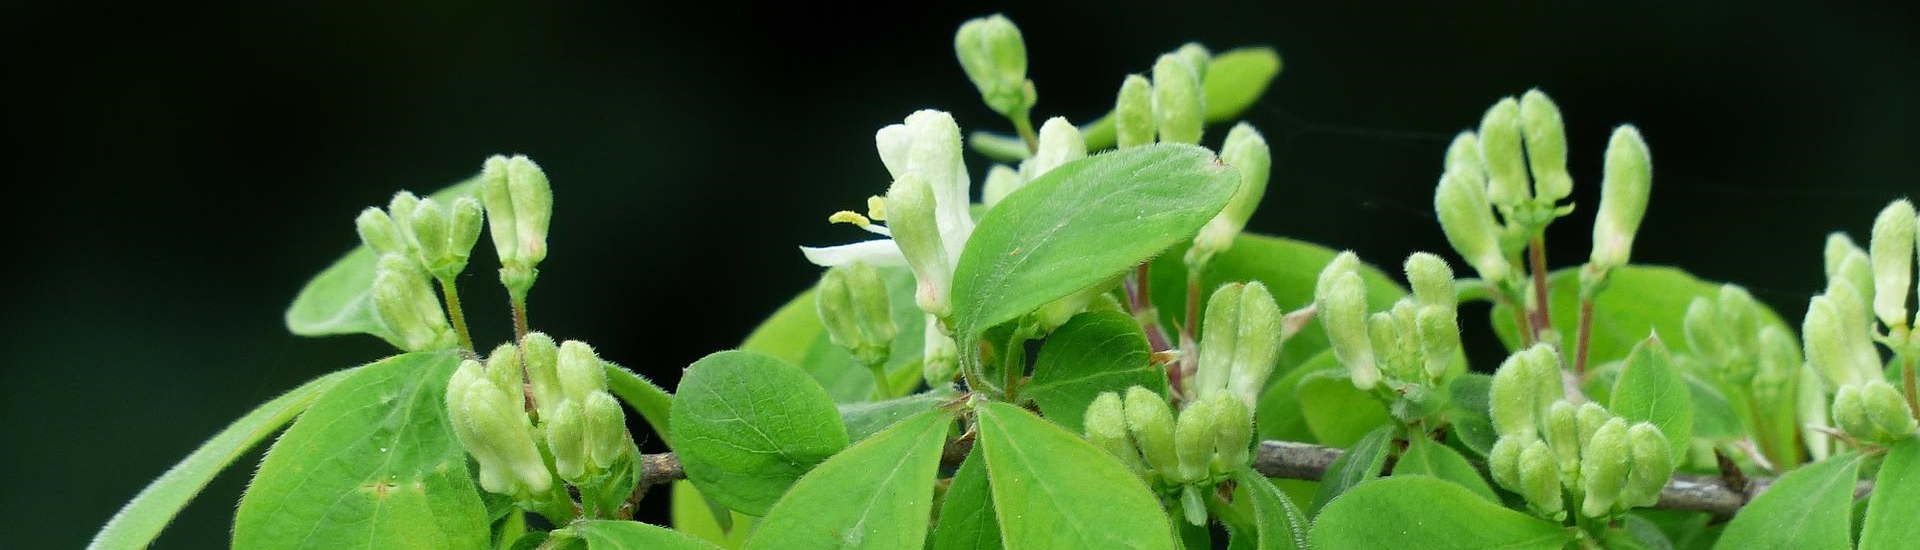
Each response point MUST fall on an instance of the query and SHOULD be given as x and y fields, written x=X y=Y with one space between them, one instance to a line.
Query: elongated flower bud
x=910 y=214
x=1150 y=421
x=1241 y=341
x=1247 y=152
x=519 y=205
x=1467 y=220
x=378 y=232
x=1562 y=430
x=566 y=439
x=1193 y=438
x=940 y=359
x=994 y=56
x=1651 y=465
x=407 y=306
x=1001 y=181
x=1464 y=163
x=1177 y=101
x=1523 y=387
x=1623 y=198
x=1887 y=410
x=1431 y=279
x=1540 y=480
x=1741 y=316
x=1439 y=338
x=1196 y=57
x=1343 y=311
x=1060 y=143
x=580 y=371
x=504 y=371
x=1134 y=123
x=853 y=306
x=1591 y=417
x=431 y=233
x=1106 y=425
x=1892 y=253
x=1503 y=461
x=605 y=430
x=502 y=442
x=1841 y=256
x=1704 y=332
x=1546 y=138
x=1603 y=468
x=1232 y=436
x=540 y=356
x=1500 y=147
x=1850 y=413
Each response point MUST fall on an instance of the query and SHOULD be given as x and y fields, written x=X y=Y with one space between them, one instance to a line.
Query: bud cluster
x=1180 y=458
x=853 y=305
x=569 y=421
x=1864 y=286
x=519 y=205
x=417 y=238
x=1408 y=348
x=1549 y=448
x=1240 y=343
x=406 y=305
x=994 y=56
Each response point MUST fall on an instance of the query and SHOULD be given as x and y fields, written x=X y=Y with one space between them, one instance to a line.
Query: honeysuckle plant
x=1095 y=354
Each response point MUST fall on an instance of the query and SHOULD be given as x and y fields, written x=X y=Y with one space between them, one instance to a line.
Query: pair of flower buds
x=1413 y=343
x=576 y=423
x=1838 y=331
x=1548 y=446
x=1210 y=440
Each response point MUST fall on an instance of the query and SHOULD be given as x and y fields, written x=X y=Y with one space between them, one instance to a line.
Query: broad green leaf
x=866 y=419
x=1400 y=513
x=1336 y=412
x=1053 y=490
x=1713 y=415
x=877 y=494
x=1807 y=509
x=1288 y=267
x=1636 y=533
x=633 y=535
x=1651 y=390
x=1236 y=79
x=1640 y=301
x=1356 y=465
x=1278 y=415
x=794 y=334
x=1083 y=223
x=654 y=404
x=1431 y=458
x=1469 y=417
x=340 y=299
x=747 y=425
x=692 y=516
x=1281 y=525
x=1094 y=352
x=1683 y=530
x=1893 y=512
x=967 y=521
x=372 y=464
x=142 y=519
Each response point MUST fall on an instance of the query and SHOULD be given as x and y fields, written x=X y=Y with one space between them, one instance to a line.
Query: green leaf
x=1807 y=509
x=1055 y=491
x=794 y=334
x=877 y=494
x=1082 y=223
x=1713 y=415
x=866 y=419
x=1278 y=415
x=372 y=464
x=1639 y=301
x=1399 y=513
x=747 y=425
x=1338 y=413
x=633 y=535
x=967 y=520
x=1094 y=352
x=142 y=519
x=1358 y=464
x=1431 y=458
x=653 y=403
x=1236 y=79
x=340 y=299
x=1894 y=508
x=692 y=515
x=1470 y=414
x=1651 y=390
x=1281 y=525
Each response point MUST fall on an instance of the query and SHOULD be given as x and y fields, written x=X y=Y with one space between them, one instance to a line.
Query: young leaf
x=877 y=494
x=866 y=419
x=794 y=334
x=1082 y=223
x=747 y=425
x=1431 y=458
x=372 y=464
x=967 y=520
x=142 y=519
x=1096 y=351
x=1358 y=464
x=692 y=515
x=1807 y=509
x=1236 y=78
x=1280 y=524
x=654 y=404
x=1639 y=300
x=633 y=535
x=1053 y=490
x=1338 y=414
x=1893 y=509
x=1398 y=513
x=1279 y=415
x=340 y=299
x=1651 y=390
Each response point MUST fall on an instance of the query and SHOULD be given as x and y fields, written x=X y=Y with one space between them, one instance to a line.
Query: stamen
x=877 y=208
x=845 y=216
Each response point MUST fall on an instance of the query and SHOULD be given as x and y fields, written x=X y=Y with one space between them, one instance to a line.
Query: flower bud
x=407 y=306
x=1247 y=152
x=1431 y=279
x=1343 y=311
x=1134 y=123
x=1439 y=338
x=605 y=430
x=1623 y=198
x=1060 y=143
x=1563 y=435
x=540 y=357
x=580 y=371
x=1523 y=387
x=1503 y=461
x=1850 y=413
x=1343 y=263
x=1892 y=254
x=519 y=204
x=1193 y=438
x=1151 y=423
x=1196 y=57
x=1241 y=341
x=1651 y=465
x=504 y=372
x=464 y=222
x=1887 y=410
x=1603 y=469
x=1740 y=315
x=940 y=357
x=1466 y=219
x=1505 y=161
x=1001 y=181
x=430 y=234
x=1464 y=163
x=1779 y=360
x=1106 y=425
x=853 y=306
x=927 y=143
x=1810 y=407
x=1839 y=250
x=994 y=56
x=401 y=207
x=1177 y=101
x=1591 y=417
x=501 y=441
x=1856 y=269
x=566 y=429
x=1826 y=342
x=1540 y=480
x=1705 y=333
x=378 y=233
x=910 y=210
x=1232 y=436
x=1546 y=138
x=468 y=372
x=1389 y=346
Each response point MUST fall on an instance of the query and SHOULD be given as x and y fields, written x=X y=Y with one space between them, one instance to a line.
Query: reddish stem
x=1542 y=320
x=1586 y=336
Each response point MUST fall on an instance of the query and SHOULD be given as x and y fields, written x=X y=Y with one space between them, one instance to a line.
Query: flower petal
x=877 y=252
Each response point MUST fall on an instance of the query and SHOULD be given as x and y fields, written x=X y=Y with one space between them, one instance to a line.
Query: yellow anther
x=847 y=216
x=877 y=208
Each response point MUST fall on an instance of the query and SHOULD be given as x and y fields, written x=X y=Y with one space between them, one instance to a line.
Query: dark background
x=178 y=171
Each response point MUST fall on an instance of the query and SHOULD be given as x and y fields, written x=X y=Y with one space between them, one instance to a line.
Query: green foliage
x=1651 y=390
x=1807 y=509
x=794 y=334
x=1423 y=512
x=692 y=514
x=1360 y=463
x=340 y=299
x=1278 y=523
x=1431 y=458
x=967 y=518
x=876 y=494
x=1639 y=301
x=1895 y=504
x=749 y=425
x=1052 y=490
x=627 y=535
x=1095 y=352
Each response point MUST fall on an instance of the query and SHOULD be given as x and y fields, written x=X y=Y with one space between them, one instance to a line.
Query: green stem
x=519 y=318
x=881 y=388
x=1023 y=123
x=455 y=314
x=1912 y=383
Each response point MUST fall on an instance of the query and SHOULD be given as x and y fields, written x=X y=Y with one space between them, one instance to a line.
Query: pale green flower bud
x=606 y=430
x=408 y=307
x=1603 y=469
x=994 y=56
x=1778 y=360
x=378 y=232
x=1850 y=413
x=1134 y=123
x=1439 y=339
x=940 y=357
x=1623 y=198
x=1193 y=438
x=1150 y=421
x=1389 y=350
x=1563 y=435
x=1001 y=181
x=1826 y=343
x=1705 y=334
x=1887 y=410
x=469 y=372
x=1892 y=254
x=1431 y=279
x=1855 y=325
x=910 y=215
x=430 y=233
x=1810 y=407
x=1247 y=152
x=853 y=306
x=1837 y=248
x=580 y=371
x=1503 y=461
x=1106 y=425
x=1196 y=57
x=444 y=236
x=519 y=204
x=1468 y=222
x=1464 y=162
x=1523 y=387
x=1177 y=101
x=1651 y=465
x=502 y=442
x=1241 y=341
x=540 y=357
x=1546 y=138
x=504 y=372
x=1856 y=269
x=1501 y=150
x=1060 y=143
x=1591 y=417
x=566 y=428
x=401 y=207
x=465 y=222
x=1232 y=436
x=1540 y=480
x=1343 y=311
x=1740 y=315
x=1343 y=263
